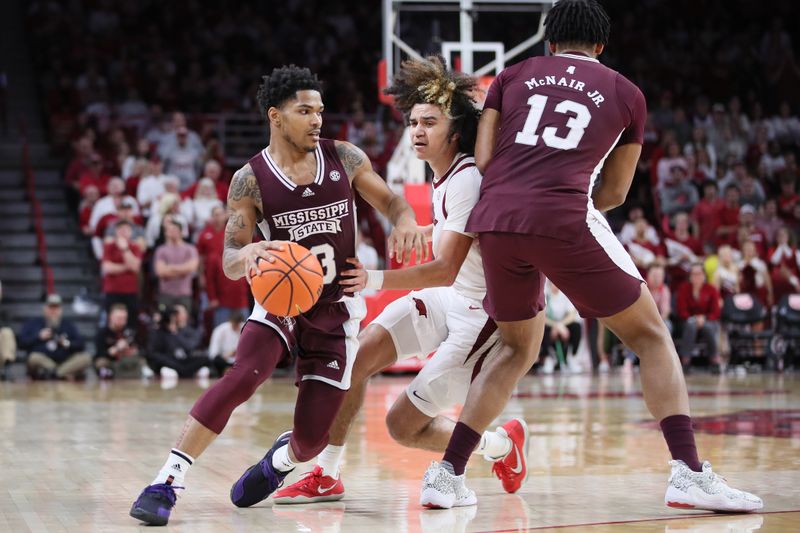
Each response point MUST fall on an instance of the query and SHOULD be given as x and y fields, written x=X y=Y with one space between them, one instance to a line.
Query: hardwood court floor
x=74 y=456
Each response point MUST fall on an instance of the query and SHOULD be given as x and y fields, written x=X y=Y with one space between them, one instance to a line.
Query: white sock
x=329 y=459
x=281 y=459
x=493 y=446
x=174 y=469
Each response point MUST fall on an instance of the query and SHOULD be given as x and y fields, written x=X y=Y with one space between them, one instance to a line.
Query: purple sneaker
x=154 y=504
x=261 y=479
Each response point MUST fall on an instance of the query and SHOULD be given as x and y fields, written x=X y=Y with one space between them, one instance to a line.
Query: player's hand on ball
x=355 y=279
x=258 y=251
x=405 y=238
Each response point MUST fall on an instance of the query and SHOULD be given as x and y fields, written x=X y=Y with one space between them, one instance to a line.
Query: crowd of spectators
x=126 y=87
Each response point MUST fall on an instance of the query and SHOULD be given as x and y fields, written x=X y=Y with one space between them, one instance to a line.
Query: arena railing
x=36 y=211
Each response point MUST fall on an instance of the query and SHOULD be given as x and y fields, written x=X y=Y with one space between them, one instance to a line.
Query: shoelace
x=308 y=478
x=500 y=469
x=162 y=489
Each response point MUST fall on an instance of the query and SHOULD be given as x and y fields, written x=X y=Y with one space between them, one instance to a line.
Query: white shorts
x=456 y=327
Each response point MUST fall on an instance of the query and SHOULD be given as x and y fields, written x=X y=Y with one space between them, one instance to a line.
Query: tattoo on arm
x=243 y=189
x=351 y=157
x=244 y=185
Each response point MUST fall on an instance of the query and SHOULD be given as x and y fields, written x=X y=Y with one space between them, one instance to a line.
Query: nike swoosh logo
x=414 y=392
x=518 y=468
x=326 y=489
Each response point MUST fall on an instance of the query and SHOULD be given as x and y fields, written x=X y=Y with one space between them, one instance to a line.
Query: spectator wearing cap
x=117 y=349
x=126 y=214
x=169 y=139
x=120 y=266
x=176 y=263
x=104 y=229
x=54 y=345
x=183 y=159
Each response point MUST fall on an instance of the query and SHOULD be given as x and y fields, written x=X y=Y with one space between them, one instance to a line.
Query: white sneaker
x=548 y=365
x=168 y=373
x=573 y=364
x=147 y=372
x=603 y=367
x=204 y=372
x=706 y=490
x=443 y=490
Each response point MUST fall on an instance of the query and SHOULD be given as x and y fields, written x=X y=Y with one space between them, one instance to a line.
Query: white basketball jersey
x=454 y=196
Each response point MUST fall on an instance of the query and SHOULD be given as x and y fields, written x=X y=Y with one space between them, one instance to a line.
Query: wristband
x=374 y=280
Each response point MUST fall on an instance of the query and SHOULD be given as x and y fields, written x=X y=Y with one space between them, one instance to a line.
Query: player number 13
x=577 y=124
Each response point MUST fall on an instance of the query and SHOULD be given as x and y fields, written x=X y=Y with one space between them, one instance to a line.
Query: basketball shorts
x=325 y=339
x=455 y=327
x=592 y=269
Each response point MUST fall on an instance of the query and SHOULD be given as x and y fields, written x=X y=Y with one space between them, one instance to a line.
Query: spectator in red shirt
x=122 y=259
x=698 y=307
x=211 y=240
x=90 y=198
x=641 y=249
x=729 y=215
x=749 y=231
x=788 y=197
x=83 y=148
x=706 y=215
x=94 y=175
x=682 y=250
x=784 y=264
x=225 y=296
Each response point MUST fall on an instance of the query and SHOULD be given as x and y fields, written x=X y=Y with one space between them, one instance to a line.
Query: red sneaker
x=512 y=470
x=312 y=487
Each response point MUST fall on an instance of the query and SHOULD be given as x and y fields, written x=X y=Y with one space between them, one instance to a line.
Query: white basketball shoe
x=706 y=490
x=443 y=490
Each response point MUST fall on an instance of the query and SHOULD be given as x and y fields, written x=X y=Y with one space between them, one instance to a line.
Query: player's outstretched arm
x=240 y=254
x=616 y=177
x=488 y=126
x=406 y=234
x=441 y=272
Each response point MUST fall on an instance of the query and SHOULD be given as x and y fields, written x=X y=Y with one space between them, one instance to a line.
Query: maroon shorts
x=325 y=339
x=593 y=270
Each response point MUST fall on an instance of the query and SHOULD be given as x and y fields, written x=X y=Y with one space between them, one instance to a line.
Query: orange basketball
x=292 y=284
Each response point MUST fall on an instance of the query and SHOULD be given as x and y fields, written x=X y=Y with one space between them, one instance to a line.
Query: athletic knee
x=376 y=351
x=399 y=430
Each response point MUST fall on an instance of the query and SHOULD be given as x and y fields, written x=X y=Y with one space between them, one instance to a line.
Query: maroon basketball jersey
x=320 y=216
x=560 y=118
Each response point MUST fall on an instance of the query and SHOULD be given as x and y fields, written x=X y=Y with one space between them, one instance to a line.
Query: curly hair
x=428 y=81
x=577 y=22
x=282 y=84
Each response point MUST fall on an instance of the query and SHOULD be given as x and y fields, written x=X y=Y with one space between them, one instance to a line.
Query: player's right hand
x=258 y=251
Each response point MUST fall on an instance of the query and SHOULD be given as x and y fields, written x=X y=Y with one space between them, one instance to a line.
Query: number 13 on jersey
x=577 y=124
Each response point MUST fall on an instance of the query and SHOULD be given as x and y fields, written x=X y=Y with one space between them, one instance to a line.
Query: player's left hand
x=355 y=279
x=406 y=237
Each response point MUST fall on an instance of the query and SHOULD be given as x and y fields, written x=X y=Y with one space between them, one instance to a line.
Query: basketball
x=292 y=284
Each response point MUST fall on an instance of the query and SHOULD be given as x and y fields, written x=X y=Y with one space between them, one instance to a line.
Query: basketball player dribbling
x=299 y=188
x=550 y=127
x=447 y=317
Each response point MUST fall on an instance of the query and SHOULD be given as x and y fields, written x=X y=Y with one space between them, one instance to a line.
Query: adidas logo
x=177 y=466
x=308 y=192
x=333 y=364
